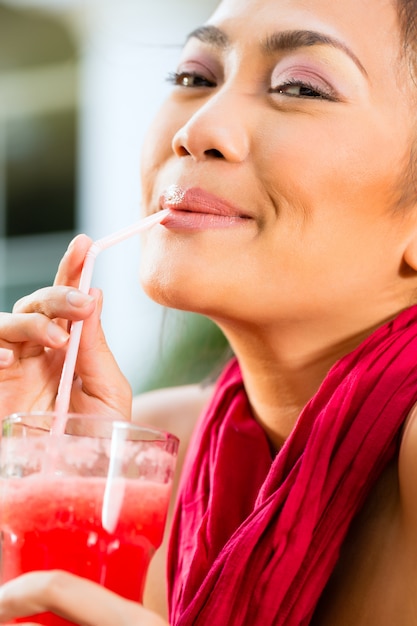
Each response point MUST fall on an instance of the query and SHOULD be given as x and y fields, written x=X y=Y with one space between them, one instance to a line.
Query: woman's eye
x=189 y=79
x=299 y=89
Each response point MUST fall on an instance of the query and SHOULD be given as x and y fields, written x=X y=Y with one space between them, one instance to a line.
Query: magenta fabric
x=255 y=538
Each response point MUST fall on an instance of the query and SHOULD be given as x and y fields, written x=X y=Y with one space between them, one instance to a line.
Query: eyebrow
x=278 y=42
x=210 y=35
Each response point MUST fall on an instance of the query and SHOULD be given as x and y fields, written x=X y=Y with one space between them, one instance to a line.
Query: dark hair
x=407 y=12
x=407 y=17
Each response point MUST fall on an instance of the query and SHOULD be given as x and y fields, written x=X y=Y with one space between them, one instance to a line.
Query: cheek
x=335 y=164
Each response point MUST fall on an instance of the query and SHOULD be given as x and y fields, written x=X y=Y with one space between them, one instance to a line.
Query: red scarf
x=255 y=539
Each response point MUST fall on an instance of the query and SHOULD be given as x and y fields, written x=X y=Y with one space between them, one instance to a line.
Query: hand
x=72 y=598
x=33 y=342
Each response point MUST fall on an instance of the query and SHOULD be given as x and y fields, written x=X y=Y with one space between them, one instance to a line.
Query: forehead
x=368 y=26
x=339 y=10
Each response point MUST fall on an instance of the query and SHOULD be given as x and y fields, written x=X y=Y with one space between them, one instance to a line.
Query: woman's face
x=286 y=140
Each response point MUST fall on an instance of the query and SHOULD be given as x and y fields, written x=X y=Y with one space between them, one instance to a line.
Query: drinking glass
x=91 y=500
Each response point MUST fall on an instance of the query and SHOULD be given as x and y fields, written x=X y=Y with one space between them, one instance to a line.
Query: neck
x=283 y=369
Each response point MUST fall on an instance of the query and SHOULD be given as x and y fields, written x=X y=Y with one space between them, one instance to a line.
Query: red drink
x=56 y=522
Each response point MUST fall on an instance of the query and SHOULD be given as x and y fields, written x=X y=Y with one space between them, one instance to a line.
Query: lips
x=196 y=208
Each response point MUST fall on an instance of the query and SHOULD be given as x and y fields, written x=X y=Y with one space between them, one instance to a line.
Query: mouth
x=195 y=208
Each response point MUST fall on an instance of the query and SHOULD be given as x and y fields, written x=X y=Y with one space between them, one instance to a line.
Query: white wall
x=127 y=47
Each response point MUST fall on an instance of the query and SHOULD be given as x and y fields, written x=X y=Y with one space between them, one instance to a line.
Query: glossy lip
x=196 y=200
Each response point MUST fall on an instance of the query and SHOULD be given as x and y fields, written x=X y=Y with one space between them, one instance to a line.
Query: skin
x=328 y=253
x=312 y=272
x=33 y=342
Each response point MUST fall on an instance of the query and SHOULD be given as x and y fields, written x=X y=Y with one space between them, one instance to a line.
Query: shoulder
x=175 y=409
x=407 y=472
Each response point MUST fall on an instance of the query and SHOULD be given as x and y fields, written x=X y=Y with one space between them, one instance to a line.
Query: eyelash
x=198 y=81
x=177 y=78
x=321 y=93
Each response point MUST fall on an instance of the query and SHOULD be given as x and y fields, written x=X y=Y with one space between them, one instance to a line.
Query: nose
x=216 y=130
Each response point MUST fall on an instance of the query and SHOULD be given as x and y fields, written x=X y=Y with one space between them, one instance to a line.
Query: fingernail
x=6 y=356
x=57 y=334
x=79 y=299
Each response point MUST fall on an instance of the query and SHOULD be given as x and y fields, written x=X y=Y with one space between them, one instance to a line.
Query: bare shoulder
x=175 y=409
x=407 y=472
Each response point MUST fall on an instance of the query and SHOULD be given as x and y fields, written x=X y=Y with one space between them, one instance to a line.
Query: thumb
x=96 y=366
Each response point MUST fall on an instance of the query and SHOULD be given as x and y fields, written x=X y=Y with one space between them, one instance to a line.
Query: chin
x=162 y=288
x=168 y=278
x=171 y=280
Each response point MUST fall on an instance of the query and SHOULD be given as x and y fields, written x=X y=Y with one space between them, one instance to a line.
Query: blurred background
x=80 y=80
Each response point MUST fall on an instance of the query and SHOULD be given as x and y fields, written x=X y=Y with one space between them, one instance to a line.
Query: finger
x=32 y=327
x=57 y=302
x=69 y=270
x=97 y=368
x=6 y=356
x=81 y=601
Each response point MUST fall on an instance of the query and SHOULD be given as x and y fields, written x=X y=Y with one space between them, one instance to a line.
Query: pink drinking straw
x=67 y=375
